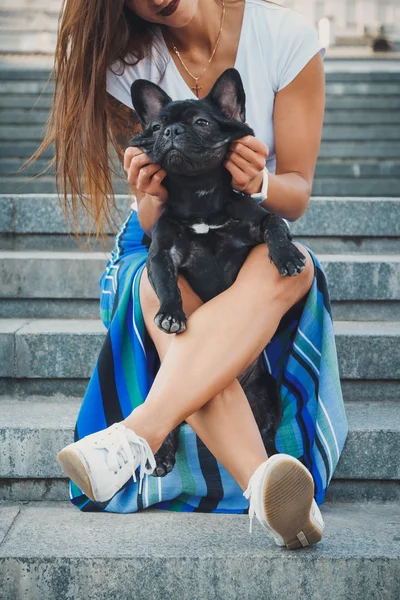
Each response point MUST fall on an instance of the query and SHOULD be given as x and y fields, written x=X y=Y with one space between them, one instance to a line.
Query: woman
x=221 y=463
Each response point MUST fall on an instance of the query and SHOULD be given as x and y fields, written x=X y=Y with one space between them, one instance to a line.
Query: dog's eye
x=205 y=122
x=156 y=127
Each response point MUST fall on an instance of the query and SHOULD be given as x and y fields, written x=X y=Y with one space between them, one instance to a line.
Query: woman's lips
x=171 y=8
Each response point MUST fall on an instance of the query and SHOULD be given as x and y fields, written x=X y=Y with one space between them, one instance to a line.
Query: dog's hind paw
x=163 y=466
x=171 y=322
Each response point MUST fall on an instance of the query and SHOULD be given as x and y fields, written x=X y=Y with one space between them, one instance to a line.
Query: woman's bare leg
x=228 y=415
x=240 y=322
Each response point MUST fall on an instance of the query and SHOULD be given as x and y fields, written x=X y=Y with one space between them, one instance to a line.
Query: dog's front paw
x=289 y=260
x=170 y=320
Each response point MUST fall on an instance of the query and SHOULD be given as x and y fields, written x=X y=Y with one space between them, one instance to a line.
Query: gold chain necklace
x=196 y=88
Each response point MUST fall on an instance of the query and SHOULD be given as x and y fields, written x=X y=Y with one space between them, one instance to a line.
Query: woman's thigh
x=258 y=275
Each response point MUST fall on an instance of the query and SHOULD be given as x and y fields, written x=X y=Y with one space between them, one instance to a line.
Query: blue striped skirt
x=301 y=357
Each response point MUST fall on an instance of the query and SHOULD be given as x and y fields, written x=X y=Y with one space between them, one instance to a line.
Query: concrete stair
x=50 y=336
x=362 y=106
x=52 y=550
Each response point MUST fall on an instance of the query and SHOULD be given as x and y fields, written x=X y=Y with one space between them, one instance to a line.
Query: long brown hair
x=91 y=36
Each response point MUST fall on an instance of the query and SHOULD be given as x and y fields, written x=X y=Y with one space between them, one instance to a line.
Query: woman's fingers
x=149 y=179
x=134 y=153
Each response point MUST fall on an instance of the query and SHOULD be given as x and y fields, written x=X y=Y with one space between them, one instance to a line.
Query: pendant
x=196 y=89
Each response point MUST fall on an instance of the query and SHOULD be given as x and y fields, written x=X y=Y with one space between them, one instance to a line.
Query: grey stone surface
x=39 y=490
x=74 y=275
x=32 y=433
x=22 y=387
x=51 y=274
x=6 y=214
x=25 y=117
x=28 y=101
x=319 y=244
x=34 y=308
x=350 y=187
x=358 y=149
x=7 y=516
x=368 y=350
x=357 y=169
x=356 y=217
x=67 y=348
x=359 y=311
x=58 y=348
x=66 y=242
x=369 y=89
x=63 y=308
x=43 y=213
x=333 y=117
x=362 y=102
x=358 y=390
x=362 y=277
x=340 y=490
x=56 y=551
x=364 y=132
x=8 y=328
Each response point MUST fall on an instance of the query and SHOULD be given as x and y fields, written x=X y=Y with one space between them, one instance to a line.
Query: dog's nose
x=174 y=130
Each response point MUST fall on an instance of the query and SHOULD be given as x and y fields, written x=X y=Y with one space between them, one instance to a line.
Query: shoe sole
x=75 y=469
x=288 y=496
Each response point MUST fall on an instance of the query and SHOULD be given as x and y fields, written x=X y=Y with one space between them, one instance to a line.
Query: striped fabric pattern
x=301 y=356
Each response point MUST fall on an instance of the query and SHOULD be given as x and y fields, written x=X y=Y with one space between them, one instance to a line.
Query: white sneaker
x=281 y=492
x=102 y=462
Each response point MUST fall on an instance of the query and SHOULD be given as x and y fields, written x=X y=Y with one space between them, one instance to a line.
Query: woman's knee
x=260 y=275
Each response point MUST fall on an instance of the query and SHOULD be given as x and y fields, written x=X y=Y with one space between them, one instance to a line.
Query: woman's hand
x=143 y=175
x=246 y=162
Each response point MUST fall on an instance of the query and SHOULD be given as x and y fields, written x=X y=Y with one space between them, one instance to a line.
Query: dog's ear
x=228 y=95
x=148 y=99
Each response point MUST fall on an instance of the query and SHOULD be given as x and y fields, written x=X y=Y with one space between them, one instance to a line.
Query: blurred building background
x=352 y=22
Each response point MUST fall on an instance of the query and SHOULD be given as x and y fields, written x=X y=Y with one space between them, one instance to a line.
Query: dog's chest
x=210 y=256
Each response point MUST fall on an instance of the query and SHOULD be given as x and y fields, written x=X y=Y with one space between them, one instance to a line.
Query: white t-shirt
x=275 y=44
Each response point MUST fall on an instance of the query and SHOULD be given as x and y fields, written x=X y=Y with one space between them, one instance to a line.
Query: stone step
x=329 y=226
x=353 y=102
x=336 y=217
x=28 y=42
x=357 y=169
x=361 y=117
x=333 y=89
x=332 y=132
x=25 y=100
x=322 y=186
x=383 y=150
x=335 y=103
x=68 y=348
x=34 y=430
x=36 y=67
x=21 y=116
x=64 y=275
x=54 y=550
x=358 y=149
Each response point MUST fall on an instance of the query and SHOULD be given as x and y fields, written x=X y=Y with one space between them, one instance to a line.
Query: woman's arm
x=298 y=120
x=125 y=124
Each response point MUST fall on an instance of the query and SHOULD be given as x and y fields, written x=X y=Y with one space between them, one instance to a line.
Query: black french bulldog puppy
x=207 y=230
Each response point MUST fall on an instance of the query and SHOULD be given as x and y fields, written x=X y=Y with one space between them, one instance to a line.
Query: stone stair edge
x=48 y=426
x=72 y=347
x=98 y=255
x=37 y=326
